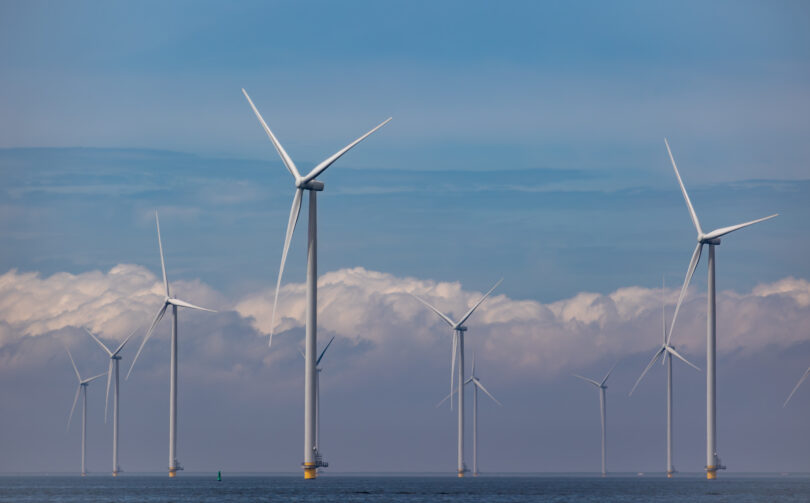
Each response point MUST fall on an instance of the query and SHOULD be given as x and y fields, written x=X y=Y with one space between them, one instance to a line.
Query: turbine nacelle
x=309 y=185
x=704 y=240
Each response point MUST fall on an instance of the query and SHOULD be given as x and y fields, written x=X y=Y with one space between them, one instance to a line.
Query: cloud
x=375 y=315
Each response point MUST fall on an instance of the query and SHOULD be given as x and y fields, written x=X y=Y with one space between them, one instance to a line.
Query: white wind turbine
x=712 y=239
x=82 y=388
x=458 y=348
x=667 y=351
x=318 y=393
x=476 y=386
x=174 y=302
x=113 y=370
x=312 y=459
x=602 y=387
x=806 y=373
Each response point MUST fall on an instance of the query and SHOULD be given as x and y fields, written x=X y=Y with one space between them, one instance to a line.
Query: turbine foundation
x=711 y=472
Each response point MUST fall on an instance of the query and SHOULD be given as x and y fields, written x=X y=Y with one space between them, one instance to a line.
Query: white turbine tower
x=113 y=370
x=667 y=351
x=308 y=182
x=476 y=386
x=458 y=348
x=82 y=388
x=601 y=387
x=712 y=239
x=174 y=302
x=806 y=373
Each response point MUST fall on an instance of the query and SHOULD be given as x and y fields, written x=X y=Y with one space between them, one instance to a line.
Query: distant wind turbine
x=113 y=370
x=174 y=302
x=602 y=387
x=82 y=388
x=667 y=351
x=312 y=459
x=712 y=239
x=318 y=393
x=458 y=348
x=476 y=386
x=806 y=373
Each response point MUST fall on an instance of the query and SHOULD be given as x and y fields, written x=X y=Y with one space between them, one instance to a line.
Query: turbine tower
x=806 y=373
x=82 y=388
x=312 y=459
x=476 y=386
x=712 y=239
x=601 y=387
x=113 y=370
x=458 y=348
x=174 y=302
x=668 y=351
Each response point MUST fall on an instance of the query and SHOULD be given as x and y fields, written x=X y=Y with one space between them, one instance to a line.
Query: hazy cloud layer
x=374 y=312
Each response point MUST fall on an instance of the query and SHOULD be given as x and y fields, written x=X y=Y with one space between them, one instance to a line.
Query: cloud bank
x=374 y=314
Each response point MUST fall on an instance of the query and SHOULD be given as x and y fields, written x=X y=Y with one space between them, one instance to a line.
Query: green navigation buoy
x=219 y=476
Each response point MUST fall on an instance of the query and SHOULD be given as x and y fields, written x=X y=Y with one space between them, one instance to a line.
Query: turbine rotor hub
x=310 y=185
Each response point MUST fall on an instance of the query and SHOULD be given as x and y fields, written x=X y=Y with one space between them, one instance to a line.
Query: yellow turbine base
x=115 y=474
x=172 y=473
x=461 y=474
x=310 y=472
x=669 y=475
x=711 y=472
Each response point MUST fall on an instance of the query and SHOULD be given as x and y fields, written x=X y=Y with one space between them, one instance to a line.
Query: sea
x=203 y=488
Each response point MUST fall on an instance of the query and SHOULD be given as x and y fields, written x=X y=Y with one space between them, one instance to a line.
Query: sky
x=527 y=143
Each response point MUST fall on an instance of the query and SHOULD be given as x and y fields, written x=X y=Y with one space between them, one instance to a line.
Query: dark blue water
x=401 y=489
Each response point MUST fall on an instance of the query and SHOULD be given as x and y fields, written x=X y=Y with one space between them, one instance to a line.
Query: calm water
x=334 y=488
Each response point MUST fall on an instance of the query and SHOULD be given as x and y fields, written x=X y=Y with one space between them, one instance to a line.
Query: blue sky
x=526 y=143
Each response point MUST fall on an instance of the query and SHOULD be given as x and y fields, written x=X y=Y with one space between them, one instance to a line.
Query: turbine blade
x=162 y=261
x=78 y=376
x=125 y=341
x=441 y=315
x=158 y=317
x=320 y=168
x=482 y=388
x=107 y=394
x=281 y=152
x=88 y=381
x=726 y=230
x=587 y=380
x=678 y=356
x=646 y=369
x=98 y=341
x=318 y=361
x=806 y=373
x=182 y=303
x=446 y=398
x=302 y=354
x=75 y=399
x=295 y=210
x=470 y=312
x=608 y=374
x=683 y=189
x=689 y=272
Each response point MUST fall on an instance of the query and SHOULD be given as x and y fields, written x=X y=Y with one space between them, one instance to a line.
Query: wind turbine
x=712 y=239
x=602 y=387
x=174 y=302
x=806 y=373
x=476 y=386
x=114 y=359
x=82 y=388
x=458 y=347
x=318 y=393
x=312 y=459
x=668 y=351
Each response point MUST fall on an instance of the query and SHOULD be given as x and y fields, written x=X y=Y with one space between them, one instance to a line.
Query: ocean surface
x=412 y=488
